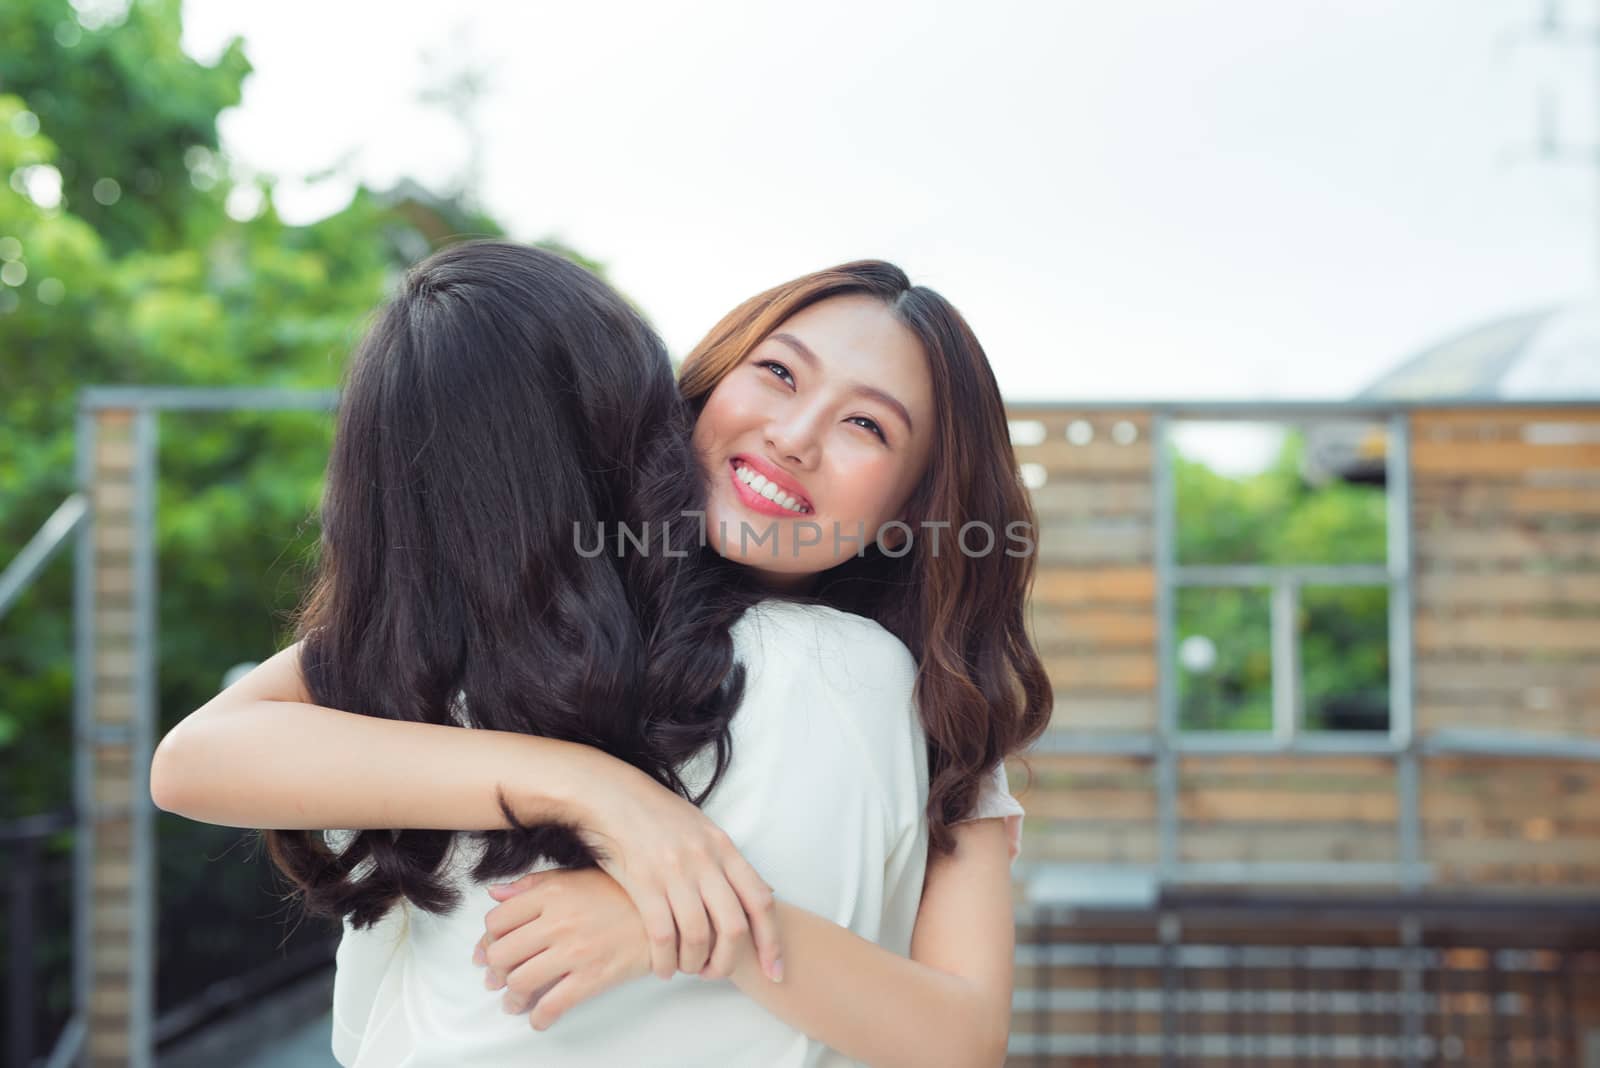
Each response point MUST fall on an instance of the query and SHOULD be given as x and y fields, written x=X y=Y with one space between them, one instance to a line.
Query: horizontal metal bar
x=1443 y=742
x=1223 y=1048
x=1345 y=873
x=1098 y=743
x=1493 y=743
x=205 y=398
x=202 y=399
x=1271 y=575
x=1226 y=409
x=41 y=549
x=1308 y=954
x=1262 y=1000
x=1136 y=886
x=1317 y=743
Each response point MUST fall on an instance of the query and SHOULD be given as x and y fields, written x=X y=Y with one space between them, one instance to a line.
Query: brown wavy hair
x=982 y=692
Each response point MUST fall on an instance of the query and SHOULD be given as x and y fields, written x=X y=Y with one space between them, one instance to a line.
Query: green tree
x=120 y=263
x=1277 y=517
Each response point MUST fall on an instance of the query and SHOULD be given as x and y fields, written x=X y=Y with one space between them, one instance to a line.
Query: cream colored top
x=824 y=795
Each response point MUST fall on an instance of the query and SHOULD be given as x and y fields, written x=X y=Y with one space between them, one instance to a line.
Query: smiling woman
x=811 y=449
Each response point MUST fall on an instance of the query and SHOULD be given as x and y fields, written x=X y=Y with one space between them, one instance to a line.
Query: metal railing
x=38 y=928
x=1306 y=981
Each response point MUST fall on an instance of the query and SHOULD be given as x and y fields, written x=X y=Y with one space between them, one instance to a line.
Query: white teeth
x=768 y=489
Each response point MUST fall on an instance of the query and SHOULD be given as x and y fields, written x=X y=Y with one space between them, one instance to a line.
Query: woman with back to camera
x=761 y=403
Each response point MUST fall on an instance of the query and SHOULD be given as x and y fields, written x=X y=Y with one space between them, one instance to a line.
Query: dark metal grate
x=1310 y=984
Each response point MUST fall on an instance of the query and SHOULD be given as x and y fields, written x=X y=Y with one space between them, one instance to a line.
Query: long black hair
x=504 y=408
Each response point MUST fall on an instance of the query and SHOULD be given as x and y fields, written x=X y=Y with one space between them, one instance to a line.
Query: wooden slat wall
x=1507 y=632
x=1506 y=514
x=1094 y=622
x=1287 y=809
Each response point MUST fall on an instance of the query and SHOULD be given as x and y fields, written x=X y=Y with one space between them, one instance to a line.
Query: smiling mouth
x=757 y=490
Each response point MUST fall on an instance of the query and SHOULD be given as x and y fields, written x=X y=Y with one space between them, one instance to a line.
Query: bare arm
x=559 y=938
x=260 y=755
x=950 y=1004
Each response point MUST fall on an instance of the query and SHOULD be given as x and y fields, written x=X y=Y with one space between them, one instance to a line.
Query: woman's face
x=816 y=440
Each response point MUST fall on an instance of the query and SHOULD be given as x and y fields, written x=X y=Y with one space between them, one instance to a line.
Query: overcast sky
x=1127 y=198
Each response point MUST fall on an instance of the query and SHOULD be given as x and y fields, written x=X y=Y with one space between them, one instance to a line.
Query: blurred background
x=1294 y=305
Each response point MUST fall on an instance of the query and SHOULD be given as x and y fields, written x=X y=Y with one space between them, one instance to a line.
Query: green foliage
x=1276 y=517
x=154 y=282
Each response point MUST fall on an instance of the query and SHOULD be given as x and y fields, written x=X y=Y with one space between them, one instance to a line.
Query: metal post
x=83 y=685
x=1411 y=993
x=1171 y=932
x=1402 y=715
x=1167 y=727
x=1286 y=703
x=141 y=811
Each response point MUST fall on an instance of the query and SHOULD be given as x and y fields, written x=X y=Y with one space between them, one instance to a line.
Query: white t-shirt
x=824 y=795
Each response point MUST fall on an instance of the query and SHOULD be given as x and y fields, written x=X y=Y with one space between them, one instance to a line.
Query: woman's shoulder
x=802 y=630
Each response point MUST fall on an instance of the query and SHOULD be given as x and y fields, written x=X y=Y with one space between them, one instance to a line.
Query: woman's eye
x=863 y=421
x=778 y=369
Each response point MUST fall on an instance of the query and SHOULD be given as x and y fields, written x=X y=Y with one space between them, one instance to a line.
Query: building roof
x=1550 y=354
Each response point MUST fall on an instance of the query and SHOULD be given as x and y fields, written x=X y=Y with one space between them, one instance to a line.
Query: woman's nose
x=797 y=436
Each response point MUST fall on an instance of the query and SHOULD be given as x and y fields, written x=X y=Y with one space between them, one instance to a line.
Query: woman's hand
x=557 y=939
x=688 y=882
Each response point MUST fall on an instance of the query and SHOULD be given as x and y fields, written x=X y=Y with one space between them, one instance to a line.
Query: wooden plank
x=1095 y=585
x=1200 y=808
x=1102 y=671
x=1105 y=457
x=1430 y=457
x=1458 y=418
x=1108 y=545
x=1453 y=674
x=1573 y=722
x=1079 y=767
x=1223 y=843
x=112 y=501
x=1508 y=591
x=1477 y=497
x=1092 y=626
x=1130 y=844
x=1119 y=712
x=1458 y=545
x=1066 y=497
x=1478 y=851
x=1515 y=633
x=1287 y=767
x=1092 y=805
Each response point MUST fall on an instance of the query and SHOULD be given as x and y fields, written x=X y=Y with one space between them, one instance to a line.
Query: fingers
x=505 y=891
x=761 y=912
x=553 y=1003
x=480 y=951
x=658 y=924
x=694 y=926
x=504 y=956
x=733 y=933
x=531 y=982
x=509 y=915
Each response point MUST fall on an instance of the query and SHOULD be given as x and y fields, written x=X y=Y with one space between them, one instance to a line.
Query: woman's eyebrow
x=803 y=350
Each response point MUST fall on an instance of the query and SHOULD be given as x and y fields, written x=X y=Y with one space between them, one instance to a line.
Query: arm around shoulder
x=260 y=754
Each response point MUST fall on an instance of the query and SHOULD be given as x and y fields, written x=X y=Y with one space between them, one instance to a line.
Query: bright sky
x=1128 y=199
